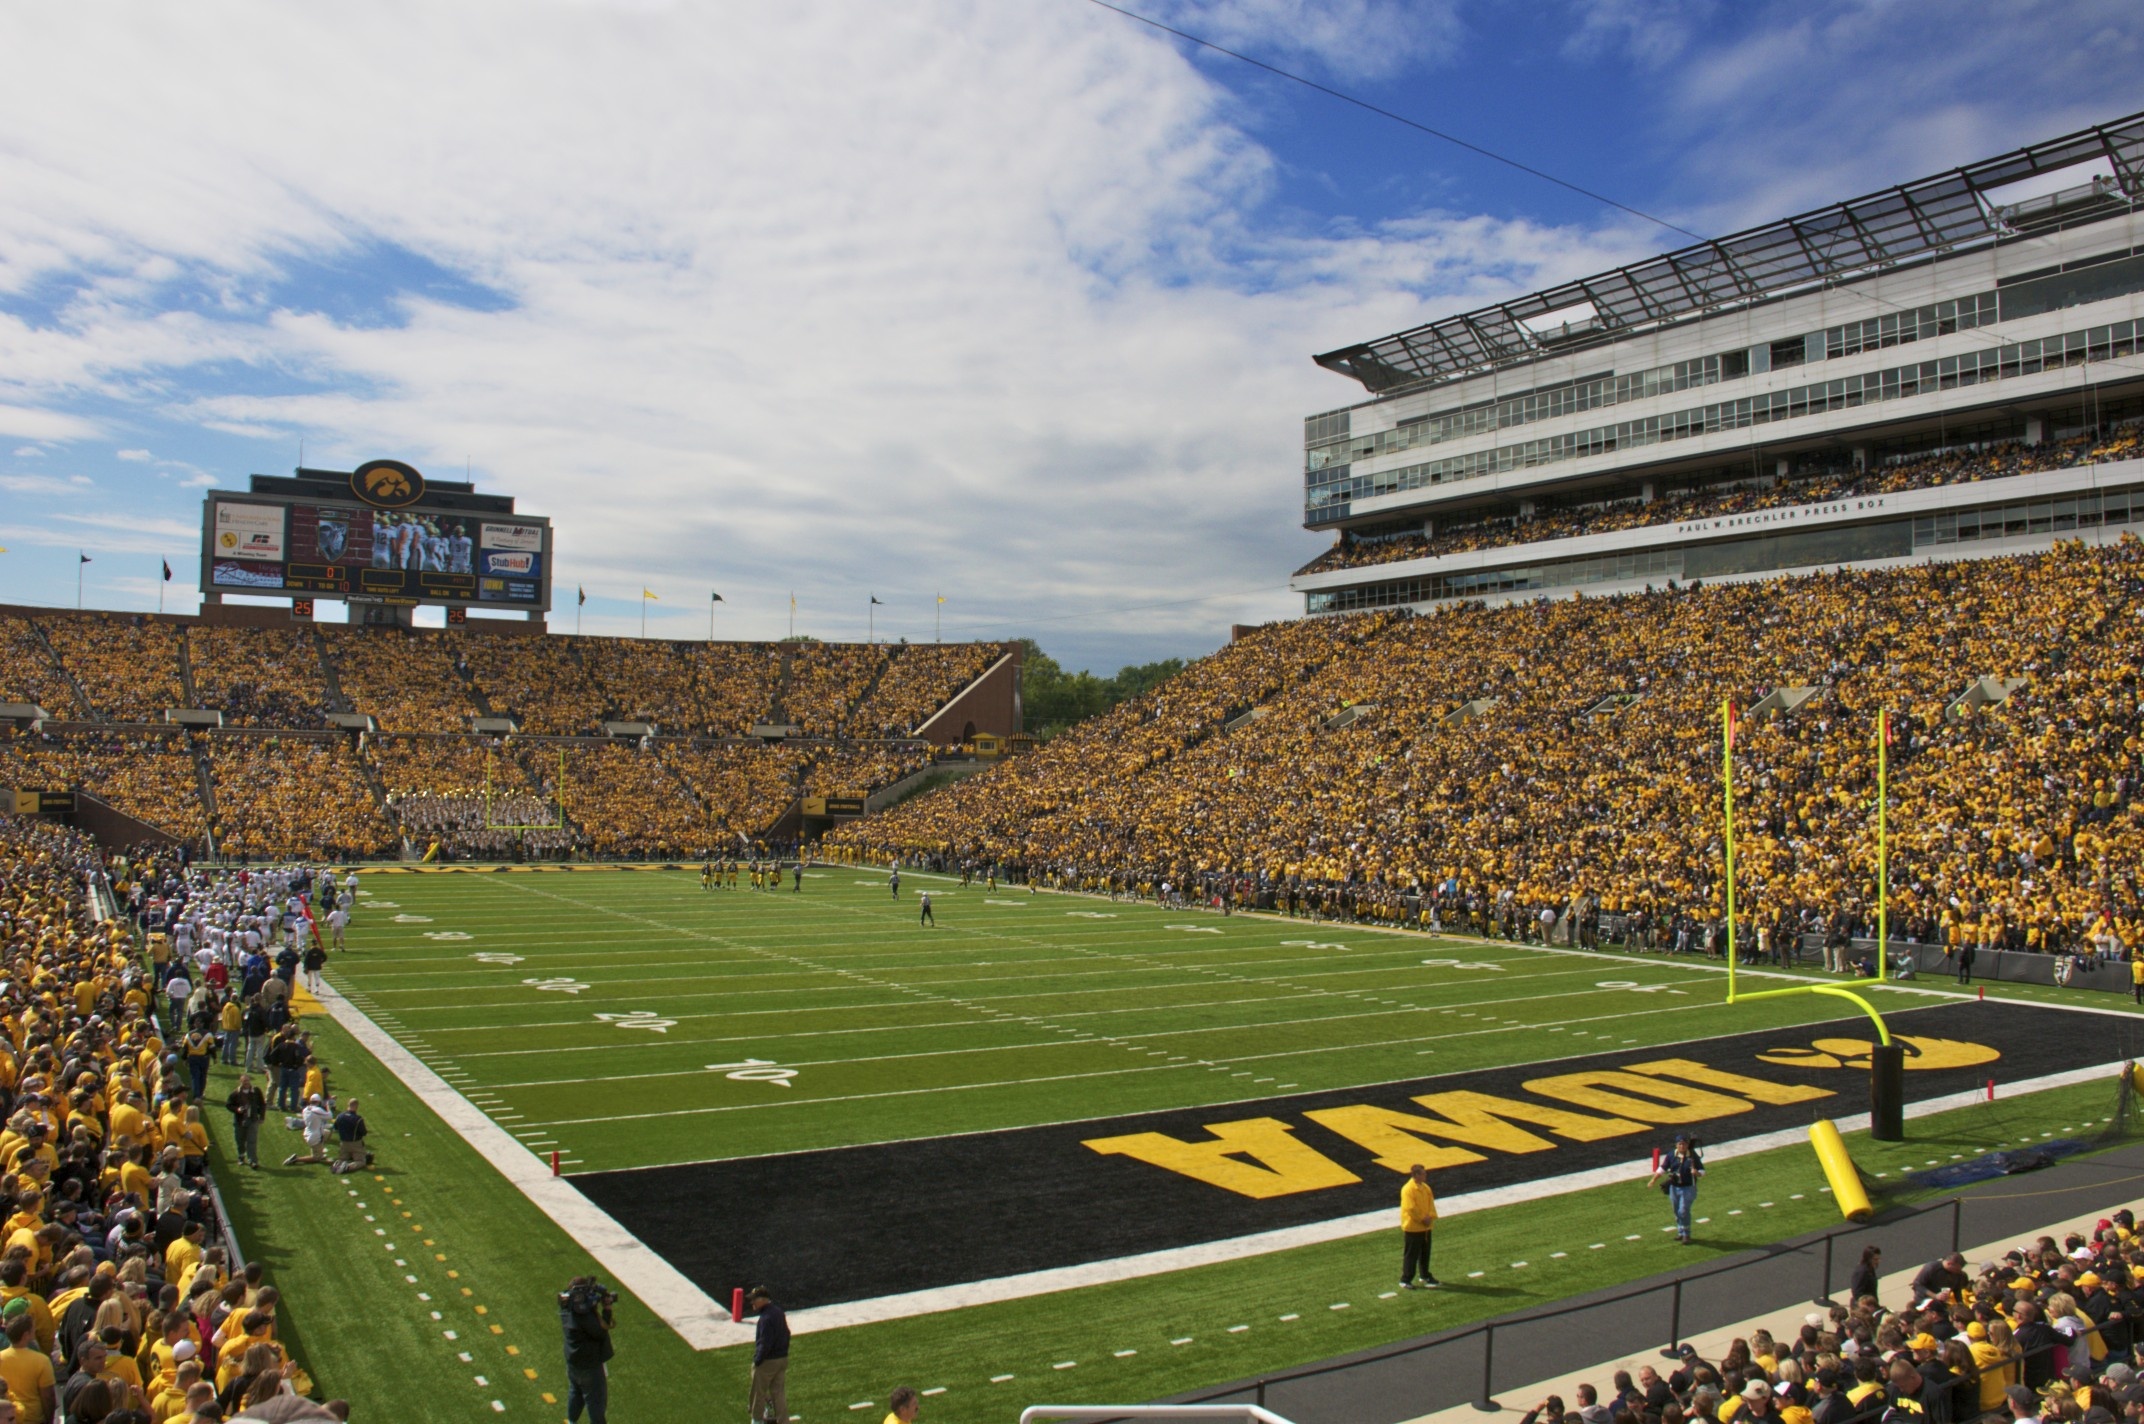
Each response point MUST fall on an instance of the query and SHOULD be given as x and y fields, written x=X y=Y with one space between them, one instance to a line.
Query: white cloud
x=1650 y=33
x=35 y=484
x=135 y=455
x=28 y=452
x=817 y=296
x=200 y=479
x=43 y=424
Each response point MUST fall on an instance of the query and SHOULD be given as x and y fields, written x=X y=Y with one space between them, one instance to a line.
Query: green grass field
x=587 y=1008
x=424 y=1290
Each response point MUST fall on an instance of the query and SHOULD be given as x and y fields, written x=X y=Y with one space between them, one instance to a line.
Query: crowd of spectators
x=922 y=678
x=537 y=681
x=2047 y=1332
x=126 y=663
x=686 y=688
x=131 y=1306
x=2015 y=825
x=826 y=681
x=294 y=797
x=406 y=681
x=149 y=775
x=258 y=677
x=861 y=767
x=1605 y=514
x=28 y=674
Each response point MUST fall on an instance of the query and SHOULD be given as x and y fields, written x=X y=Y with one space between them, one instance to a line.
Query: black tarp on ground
x=855 y=1223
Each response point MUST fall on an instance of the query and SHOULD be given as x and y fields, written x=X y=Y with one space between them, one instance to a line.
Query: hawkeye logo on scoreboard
x=387 y=484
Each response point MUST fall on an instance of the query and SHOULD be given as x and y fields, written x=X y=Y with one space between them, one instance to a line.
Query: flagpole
x=643 y=613
x=710 y=616
x=160 y=595
x=80 y=559
x=938 y=621
x=792 y=615
x=871 y=620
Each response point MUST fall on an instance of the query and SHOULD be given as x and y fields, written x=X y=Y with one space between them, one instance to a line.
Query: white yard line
x=660 y=1286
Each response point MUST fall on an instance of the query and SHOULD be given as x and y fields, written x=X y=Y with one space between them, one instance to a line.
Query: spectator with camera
x=584 y=1314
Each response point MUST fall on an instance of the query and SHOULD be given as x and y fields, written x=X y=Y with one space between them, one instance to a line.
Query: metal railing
x=1250 y=1413
x=1463 y=1365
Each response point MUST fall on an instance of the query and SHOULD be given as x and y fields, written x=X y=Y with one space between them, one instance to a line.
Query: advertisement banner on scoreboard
x=249 y=531
x=520 y=538
x=495 y=564
x=235 y=573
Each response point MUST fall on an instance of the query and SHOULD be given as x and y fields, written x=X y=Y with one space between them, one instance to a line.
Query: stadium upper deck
x=1767 y=401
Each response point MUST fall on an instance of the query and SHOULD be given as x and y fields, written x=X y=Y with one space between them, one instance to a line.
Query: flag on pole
x=644 y=593
x=941 y=598
x=877 y=600
x=792 y=603
x=583 y=598
x=167 y=571
x=715 y=598
x=84 y=557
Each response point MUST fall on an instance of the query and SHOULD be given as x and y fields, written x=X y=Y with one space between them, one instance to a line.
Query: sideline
x=681 y=1305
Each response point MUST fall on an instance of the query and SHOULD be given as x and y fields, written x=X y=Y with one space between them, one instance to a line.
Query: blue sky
x=1012 y=300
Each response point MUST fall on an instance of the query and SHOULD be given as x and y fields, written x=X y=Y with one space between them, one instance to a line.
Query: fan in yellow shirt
x=903 y=1406
x=27 y=1371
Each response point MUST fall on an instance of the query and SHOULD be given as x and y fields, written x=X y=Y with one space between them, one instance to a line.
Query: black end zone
x=856 y=1223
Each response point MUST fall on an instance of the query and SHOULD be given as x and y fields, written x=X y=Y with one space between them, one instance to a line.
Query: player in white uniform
x=383 y=541
x=459 y=548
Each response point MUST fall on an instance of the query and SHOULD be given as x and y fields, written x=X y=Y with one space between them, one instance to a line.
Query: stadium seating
x=406 y=681
x=146 y=774
x=123 y=1176
x=420 y=779
x=1740 y=496
x=258 y=677
x=127 y=665
x=32 y=676
x=1490 y=764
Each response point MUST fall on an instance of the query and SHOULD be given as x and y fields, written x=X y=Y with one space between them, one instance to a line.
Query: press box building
x=1781 y=399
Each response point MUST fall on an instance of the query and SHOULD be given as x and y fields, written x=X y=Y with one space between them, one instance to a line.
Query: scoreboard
x=381 y=533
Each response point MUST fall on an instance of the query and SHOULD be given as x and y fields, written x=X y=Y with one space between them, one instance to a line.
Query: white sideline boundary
x=683 y=1306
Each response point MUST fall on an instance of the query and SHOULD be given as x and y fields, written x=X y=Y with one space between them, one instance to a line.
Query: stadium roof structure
x=1924 y=218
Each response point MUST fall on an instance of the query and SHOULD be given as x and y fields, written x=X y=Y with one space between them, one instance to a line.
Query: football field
x=633 y=1020
x=1054 y=1145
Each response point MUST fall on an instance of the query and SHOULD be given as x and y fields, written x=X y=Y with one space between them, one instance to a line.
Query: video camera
x=587 y=1296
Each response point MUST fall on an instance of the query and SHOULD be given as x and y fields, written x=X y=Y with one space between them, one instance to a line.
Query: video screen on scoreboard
x=350 y=550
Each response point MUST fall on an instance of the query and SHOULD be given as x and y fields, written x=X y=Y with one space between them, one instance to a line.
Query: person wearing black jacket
x=248 y=1108
x=2035 y=1340
x=584 y=1315
x=76 y=1321
x=770 y=1359
x=1863 y=1281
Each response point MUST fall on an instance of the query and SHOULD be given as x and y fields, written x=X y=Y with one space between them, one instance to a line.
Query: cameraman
x=1677 y=1175
x=584 y=1314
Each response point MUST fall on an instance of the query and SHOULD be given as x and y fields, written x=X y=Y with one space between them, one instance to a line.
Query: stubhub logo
x=509 y=563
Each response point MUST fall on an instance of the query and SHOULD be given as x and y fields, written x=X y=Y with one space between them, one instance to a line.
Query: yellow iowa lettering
x=1477 y=1119
x=1279 y=1165
x=1646 y=1099
x=1777 y=1094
